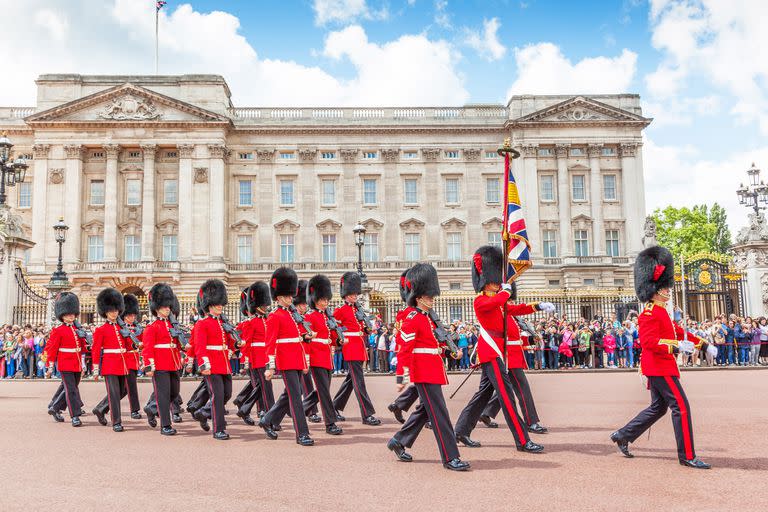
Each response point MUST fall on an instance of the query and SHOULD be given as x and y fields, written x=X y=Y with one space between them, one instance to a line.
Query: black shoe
x=269 y=430
x=82 y=412
x=191 y=410
x=305 y=440
x=76 y=421
x=333 y=429
x=537 y=428
x=200 y=417
x=221 y=436
x=622 y=444
x=117 y=427
x=237 y=403
x=151 y=419
x=177 y=418
x=488 y=422
x=277 y=428
x=57 y=417
x=372 y=421
x=456 y=465
x=399 y=450
x=466 y=441
x=695 y=463
x=428 y=425
x=136 y=415
x=314 y=418
x=168 y=431
x=246 y=418
x=531 y=447
x=398 y=412
x=100 y=416
x=340 y=417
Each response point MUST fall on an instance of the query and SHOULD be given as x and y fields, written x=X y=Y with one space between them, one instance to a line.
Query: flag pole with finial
x=159 y=4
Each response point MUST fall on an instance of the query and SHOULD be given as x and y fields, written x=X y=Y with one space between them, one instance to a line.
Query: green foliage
x=693 y=230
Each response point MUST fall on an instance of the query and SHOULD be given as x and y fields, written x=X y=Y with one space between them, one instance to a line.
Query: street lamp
x=60 y=232
x=755 y=193
x=359 y=232
x=11 y=172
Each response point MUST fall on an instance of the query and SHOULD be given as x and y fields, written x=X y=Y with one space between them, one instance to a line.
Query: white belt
x=353 y=334
x=216 y=347
x=70 y=350
x=324 y=341
x=258 y=344
x=166 y=345
x=511 y=343
x=114 y=350
x=289 y=340
x=433 y=351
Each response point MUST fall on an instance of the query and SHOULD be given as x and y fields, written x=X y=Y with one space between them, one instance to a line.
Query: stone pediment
x=244 y=225
x=453 y=222
x=287 y=225
x=127 y=103
x=412 y=223
x=582 y=110
x=328 y=225
x=493 y=222
x=372 y=224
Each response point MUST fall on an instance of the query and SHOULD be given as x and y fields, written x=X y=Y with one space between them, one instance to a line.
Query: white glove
x=686 y=346
x=547 y=307
x=712 y=350
x=506 y=287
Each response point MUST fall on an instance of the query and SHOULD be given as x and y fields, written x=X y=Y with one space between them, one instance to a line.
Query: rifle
x=443 y=335
x=126 y=332
x=177 y=332
x=230 y=329
x=300 y=319
x=334 y=325
x=82 y=333
x=360 y=316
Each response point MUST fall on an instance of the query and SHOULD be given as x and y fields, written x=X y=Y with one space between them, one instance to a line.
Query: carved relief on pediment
x=130 y=108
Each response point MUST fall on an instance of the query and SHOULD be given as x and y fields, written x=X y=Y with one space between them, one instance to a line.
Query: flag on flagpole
x=514 y=234
x=160 y=4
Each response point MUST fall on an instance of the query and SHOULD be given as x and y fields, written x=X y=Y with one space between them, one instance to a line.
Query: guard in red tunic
x=307 y=387
x=132 y=318
x=287 y=353
x=407 y=398
x=244 y=328
x=200 y=396
x=212 y=350
x=660 y=339
x=351 y=316
x=109 y=356
x=162 y=357
x=65 y=345
x=319 y=294
x=421 y=358
x=493 y=297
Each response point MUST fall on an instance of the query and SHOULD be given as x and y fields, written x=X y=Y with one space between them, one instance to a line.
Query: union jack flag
x=514 y=233
x=160 y=4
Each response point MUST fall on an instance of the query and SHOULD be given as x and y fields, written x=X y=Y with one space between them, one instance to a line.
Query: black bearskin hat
x=487 y=265
x=198 y=307
x=160 y=296
x=131 y=306
x=259 y=296
x=513 y=291
x=319 y=287
x=301 y=293
x=423 y=282
x=109 y=299
x=244 y=302
x=175 y=306
x=654 y=270
x=66 y=303
x=212 y=293
x=284 y=282
x=404 y=285
x=351 y=284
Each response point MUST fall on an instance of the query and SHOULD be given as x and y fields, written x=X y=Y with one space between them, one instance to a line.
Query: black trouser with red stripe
x=322 y=394
x=166 y=384
x=355 y=380
x=220 y=387
x=407 y=398
x=307 y=388
x=261 y=392
x=117 y=388
x=133 y=391
x=666 y=392
x=70 y=397
x=175 y=404
x=493 y=379
x=290 y=399
x=200 y=397
x=522 y=392
x=431 y=408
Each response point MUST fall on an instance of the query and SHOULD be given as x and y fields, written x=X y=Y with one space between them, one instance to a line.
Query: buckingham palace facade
x=163 y=178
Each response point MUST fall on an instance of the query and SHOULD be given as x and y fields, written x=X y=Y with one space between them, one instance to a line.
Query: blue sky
x=699 y=65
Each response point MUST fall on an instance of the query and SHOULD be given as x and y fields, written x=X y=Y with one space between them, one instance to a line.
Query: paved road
x=53 y=466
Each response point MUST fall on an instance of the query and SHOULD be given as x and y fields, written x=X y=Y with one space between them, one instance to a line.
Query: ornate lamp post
x=59 y=281
x=359 y=232
x=10 y=172
x=755 y=194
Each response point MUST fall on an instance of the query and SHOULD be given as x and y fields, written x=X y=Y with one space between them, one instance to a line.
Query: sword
x=474 y=367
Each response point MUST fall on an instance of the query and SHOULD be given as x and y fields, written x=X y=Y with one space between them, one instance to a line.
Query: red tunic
x=160 y=348
x=420 y=352
x=257 y=341
x=243 y=328
x=113 y=361
x=132 y=356
x=398 y=340
x=284 y=343
x=64 y=348
x=658 y=336
x=490 y=316
x=213 y=344
x=355 y=347
x=320 y=354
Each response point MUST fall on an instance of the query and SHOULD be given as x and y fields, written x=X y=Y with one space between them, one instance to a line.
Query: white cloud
x=345 y=11
x=442 y=16
x=543 y=69
x=487 y=44
x=57 y=26
x=681 y=111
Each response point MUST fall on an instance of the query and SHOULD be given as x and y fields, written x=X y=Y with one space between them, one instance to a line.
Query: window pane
x=329 y=248
x=547 y=187
x=244 y=249
x=609 y=187
x=329 y=192
x=95 y=248
x=369 y=191
x=25 y=195
x=132 y=248
x=456 y=312
x=286 y=248
x=170 y=248
x=612 y=242
x=245 y=193
x=133 y=196
x=494 y=238
x=581 y=243
x=411 y=192
x=286 y=193
x=549 y=244
x=97 y=193
x=451 y=190
x=412 y=246
x=170 y=195
x=454 y=246
x=371 y=247
x=492 y=190
x=579 y=193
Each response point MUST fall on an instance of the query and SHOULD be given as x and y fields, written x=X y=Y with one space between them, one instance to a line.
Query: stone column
x=73 y=202
x=564 y=201
x=596 y=199
x=631 y=201
x=186 y=233
x=40 y=200
x=526 y=172
x=217 y=202
x=148 y=204
x=12 y=247
x=111 y=202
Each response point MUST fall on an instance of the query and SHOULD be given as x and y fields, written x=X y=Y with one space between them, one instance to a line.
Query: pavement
x=47 y=465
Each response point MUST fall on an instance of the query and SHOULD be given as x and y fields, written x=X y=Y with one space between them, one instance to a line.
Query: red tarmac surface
x=52 y=466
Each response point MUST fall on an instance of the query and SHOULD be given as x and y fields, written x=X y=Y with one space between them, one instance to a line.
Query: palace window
x=553 y=282
x=609 y=187
x=412 y=246
x=170 y=192
x=25 y=194
x=452 y=155
x=287 y=155
x=456 y=312
x=329 y=248
x=547 y=188
x=578 y=191
x=411 y=187
x=245 y=195
x=410 y=155
x=492 y=190
x=612 y=242
x=371 y=247
x=95 y=248
x=494 y=239
x=245 y=249
x=545 y=152
x=327 y=155
x=134 y=154
x=328 y=192
x=97 y=193
x=454 y=286
x=454 y=246
x=286 y=193
x=549 y=243
x=608 y=151
x=97 y=154
x=170 y=248
x=577 y=152
x=452 y=191
x=133 y=192
x=619 y=283
x=132 y=248
x=245 y=156
x=589 y=282
x=171 y=154
x=369 y=191
x=370 y=155
x=286 y=248
x=491 y=154
x=581 y=242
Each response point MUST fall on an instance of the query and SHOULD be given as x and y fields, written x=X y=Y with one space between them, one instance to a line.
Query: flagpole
x=157 y=44
x=506 y=150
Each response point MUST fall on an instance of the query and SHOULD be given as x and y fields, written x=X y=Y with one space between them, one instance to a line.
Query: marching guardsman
x=422 y=362
x=660 y=338
x=200 y=396
x=407 y=398
x=109 y=355
x=212 y=349
x=300 y=303
x=350 y=315
x=244 y=328
x=162 y=357
x=132 y=317
x=64 y=349
x=319 y=294
x=492 y=300
x=286 y=352
x=151 y=406
x=516 y=363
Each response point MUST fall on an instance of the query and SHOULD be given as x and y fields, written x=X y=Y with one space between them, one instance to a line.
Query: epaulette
x=649 y=308
x=411 y=314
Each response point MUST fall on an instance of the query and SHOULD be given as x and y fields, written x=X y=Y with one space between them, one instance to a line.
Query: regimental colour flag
x=160 y=4
x=514 y=234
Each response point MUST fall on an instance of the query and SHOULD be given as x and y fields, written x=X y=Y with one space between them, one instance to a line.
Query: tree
x=692 y=230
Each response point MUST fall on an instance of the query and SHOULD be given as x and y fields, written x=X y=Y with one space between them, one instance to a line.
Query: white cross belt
x=433 y=351
x=288 y=340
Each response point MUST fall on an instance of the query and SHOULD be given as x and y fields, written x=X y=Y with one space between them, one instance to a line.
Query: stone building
x=163 y=178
